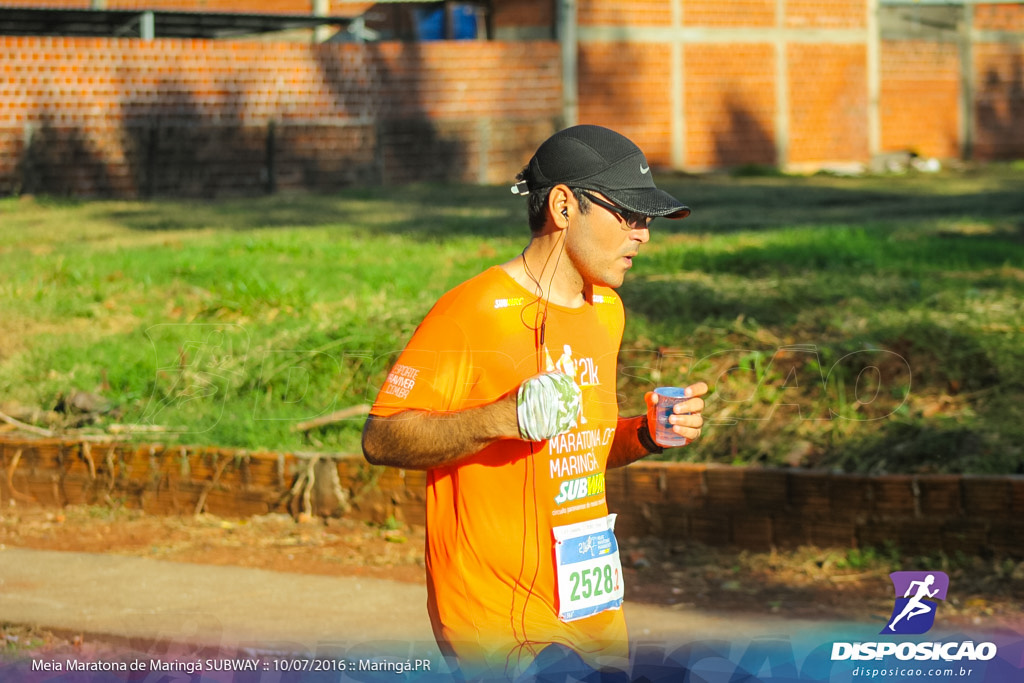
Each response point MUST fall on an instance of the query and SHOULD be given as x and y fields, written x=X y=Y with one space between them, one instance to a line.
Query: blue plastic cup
x=668 y=397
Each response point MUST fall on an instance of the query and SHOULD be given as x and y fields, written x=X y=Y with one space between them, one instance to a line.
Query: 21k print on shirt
x=573 y=464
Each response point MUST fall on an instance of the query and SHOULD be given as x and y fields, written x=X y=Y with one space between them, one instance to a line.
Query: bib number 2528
x=589 y=569
x=594 y=581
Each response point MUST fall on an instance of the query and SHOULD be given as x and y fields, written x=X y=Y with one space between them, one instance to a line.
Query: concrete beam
x=634 y=34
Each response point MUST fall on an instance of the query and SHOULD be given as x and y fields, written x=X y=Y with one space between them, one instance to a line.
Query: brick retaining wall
x=715 y=505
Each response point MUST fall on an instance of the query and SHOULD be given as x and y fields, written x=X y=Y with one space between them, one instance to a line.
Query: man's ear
x=561 y=203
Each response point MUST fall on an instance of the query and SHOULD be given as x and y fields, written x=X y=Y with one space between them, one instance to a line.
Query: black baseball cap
x=597 y=158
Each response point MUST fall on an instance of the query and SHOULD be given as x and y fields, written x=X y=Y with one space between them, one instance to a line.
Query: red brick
x=790 y=530
x=829 y=103
x=631 y=522
x=878 y=533
x=831 y=533
x=729 y=104
x=810 y=493
x=391 y=479
x=521 y=13
x=844 y=14
x=736 y=13
x=191 y=84
x=674 y=525
x=726 y=491
x=894 y=496
x=920 y=82
x=415 y=480
x=818 y=511
x=999 y=17
x=752 y=531
x=766 y=489
x=619 y=83
x=711 y=529
x=919 y=536
x=1007 y=539
x=966 y=536
x=851 y=497
x=940 y=496
x=264 y=470
x=1017 y=496
x=687 y=487
x=999 y=101
x=615 y=485
x=646 y=482
x=619 y=12
x=987 y=497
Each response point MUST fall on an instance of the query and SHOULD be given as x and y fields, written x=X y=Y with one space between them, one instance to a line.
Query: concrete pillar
x=874 y=80
x=677 y=100
x=321 y=8
x=781 y=87
x=147 y=26
x=966 y=99
x=569 y=41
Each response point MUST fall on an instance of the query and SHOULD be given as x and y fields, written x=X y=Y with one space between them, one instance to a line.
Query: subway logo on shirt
x=584 y=487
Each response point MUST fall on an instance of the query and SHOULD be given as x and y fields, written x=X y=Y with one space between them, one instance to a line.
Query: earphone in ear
x=565 y=212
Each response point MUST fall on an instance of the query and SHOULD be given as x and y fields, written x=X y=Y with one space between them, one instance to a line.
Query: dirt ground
x=806 y=583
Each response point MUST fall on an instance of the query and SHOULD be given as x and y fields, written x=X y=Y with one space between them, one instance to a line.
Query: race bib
x=589 y=570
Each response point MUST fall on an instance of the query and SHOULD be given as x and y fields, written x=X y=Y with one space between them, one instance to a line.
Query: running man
x=523 y=568
x=916 y=605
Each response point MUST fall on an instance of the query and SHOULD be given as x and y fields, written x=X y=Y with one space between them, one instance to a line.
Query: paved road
x=174 y=612
x=242 y=608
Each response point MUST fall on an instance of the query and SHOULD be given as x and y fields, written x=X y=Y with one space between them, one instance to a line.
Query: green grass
x=867 y=324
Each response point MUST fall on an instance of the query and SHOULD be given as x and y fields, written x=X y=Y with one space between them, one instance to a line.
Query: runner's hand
x=687 y=416
x=548 y=405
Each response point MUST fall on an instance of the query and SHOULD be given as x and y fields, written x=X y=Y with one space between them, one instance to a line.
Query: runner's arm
x=626 y=446
x=421 y=439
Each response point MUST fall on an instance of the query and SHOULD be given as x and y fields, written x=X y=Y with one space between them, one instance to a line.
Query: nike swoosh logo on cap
x=644 y=169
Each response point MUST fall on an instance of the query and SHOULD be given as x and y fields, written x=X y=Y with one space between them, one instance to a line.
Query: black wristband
x=643 y=435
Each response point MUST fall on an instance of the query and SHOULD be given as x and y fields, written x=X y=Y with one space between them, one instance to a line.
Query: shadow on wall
x=60 y=161
x=742 y=140
x=174 y=148
x=1000 y=113
x=170 y=143
x=392 y=139
x=623 y=86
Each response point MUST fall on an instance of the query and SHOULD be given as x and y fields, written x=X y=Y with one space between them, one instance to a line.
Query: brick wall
x=624 y=12
x=828 y=107
x=757 y=81
x=739 y=507
x=523 y=13
x=740 y=13
x=730 y=104
x=925 y=78
x=209 y=117
x=999 y=100
x=826 y=13
x=622 y=85
x=699 y=84
x=746 y=82
x=920 y=87
x=999 y=17
x=262 y=6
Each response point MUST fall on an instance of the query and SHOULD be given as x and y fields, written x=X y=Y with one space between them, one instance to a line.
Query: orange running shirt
x=491 y=565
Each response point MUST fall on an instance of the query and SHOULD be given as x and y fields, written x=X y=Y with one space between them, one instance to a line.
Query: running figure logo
x=914 y=611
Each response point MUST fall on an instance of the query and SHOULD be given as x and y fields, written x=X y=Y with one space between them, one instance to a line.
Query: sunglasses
x=630 y=219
